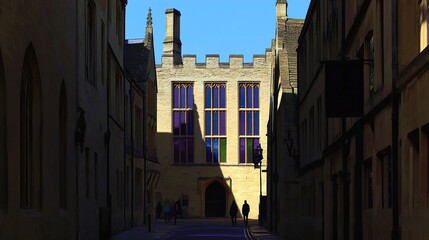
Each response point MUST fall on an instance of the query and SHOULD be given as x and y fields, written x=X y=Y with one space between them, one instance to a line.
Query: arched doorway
x=215 y=198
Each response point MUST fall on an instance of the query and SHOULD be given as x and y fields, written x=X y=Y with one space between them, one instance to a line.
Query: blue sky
x=221 y=27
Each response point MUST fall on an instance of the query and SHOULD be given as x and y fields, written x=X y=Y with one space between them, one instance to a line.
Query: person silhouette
x=245 y=210
x=158 y=210
x=233 y=213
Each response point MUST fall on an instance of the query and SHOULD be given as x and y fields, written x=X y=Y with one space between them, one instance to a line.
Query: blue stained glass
x=176 y=123
x=256 y=122
x=215 y=150
x=242 y=150
x=249 y=97
x=215 y=123
x=190 y=97
x=222 y=123
x=182 y=97
x=208 y=123
x=242 y=97
x=256 y=98
x=182 y=123
x=176 y=97
x=190 y=150
x=208 y=97
x=242 y=123
x=222 y=97
x=209 y=151
x=190 y=121
x=215 y=97
x=249 y=123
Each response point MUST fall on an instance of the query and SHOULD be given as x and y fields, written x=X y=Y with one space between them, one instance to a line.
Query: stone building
x=211 y=118
x=141 y=122
x=282 y=179
x=365 y=176
x=61 y=119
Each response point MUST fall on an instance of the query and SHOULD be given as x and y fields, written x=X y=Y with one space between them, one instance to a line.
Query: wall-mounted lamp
x=258 y=156
x=80 y=128
x=293 y=153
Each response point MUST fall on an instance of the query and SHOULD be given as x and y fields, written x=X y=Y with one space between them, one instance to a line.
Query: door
x=215 y=200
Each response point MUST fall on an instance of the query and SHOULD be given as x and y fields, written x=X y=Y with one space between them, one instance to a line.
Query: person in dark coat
x=158 y=210
x=245 y=210
x=233 y=213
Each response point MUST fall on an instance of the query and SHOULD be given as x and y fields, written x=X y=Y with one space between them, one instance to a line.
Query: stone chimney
x=281 y=9
x=281 y=19
x=172 y=43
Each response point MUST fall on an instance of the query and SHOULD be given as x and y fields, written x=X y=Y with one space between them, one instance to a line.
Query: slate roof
x=136 y=56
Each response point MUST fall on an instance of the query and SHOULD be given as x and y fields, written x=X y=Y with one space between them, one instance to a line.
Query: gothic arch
x=215 y=197
x=3 y=140
x=62 y=163
x=31 y=131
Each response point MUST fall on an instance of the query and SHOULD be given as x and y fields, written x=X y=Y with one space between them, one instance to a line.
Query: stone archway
x=215 y=200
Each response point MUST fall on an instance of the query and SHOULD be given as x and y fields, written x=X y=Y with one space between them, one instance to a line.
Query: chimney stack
x=172 y=43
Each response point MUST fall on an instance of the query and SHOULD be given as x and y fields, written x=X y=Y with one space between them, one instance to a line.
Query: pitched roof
x=136 y=56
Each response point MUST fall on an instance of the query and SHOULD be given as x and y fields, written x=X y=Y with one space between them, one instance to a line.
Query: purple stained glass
x=190 y=121
x=190 y=97
x=176 y=150
x=222 y=123
x=255 y=144
x=215 y=97
x=182 y=150
x=242 y=123
x=216 y=150
x=182 y=97
x=176 y=123
x=176 y=97
x=190 y=150
x=256 y=97
x=182 y=123
x=216 y=123
x=249 y=97
x=256 y=123
x=208 y=97
x=223 y=97
x=242 y=97
x=242 y=150
x=209 y=151
x=249 y=123
x=208 y=123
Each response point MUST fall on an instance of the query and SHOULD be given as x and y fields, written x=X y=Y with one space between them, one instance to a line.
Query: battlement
x=213 y=61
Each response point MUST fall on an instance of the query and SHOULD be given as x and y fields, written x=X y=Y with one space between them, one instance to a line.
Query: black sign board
x=344 y=88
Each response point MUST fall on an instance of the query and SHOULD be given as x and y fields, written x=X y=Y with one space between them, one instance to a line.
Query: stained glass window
x=183 y=122
x=248 y=120
x=215 y=122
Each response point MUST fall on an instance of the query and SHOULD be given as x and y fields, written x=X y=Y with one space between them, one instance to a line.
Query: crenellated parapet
x=212 y=61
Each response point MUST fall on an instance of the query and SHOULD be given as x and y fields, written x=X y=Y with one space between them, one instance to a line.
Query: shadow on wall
x=190 y=166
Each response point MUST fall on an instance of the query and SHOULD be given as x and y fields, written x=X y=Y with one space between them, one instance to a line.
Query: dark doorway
x=215 y=200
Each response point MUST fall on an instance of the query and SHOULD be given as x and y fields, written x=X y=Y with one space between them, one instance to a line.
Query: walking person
x=245 y=210
x=233 y=213
x=158 y=210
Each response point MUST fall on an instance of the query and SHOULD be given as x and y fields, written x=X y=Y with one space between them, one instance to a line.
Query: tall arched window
x=31 y=137
x=62 y=171
x=3 y=146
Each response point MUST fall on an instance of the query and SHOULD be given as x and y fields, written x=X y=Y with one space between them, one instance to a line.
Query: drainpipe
x=345 y=150
x=145 y=212
x=395 y=122
x=132 y=153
